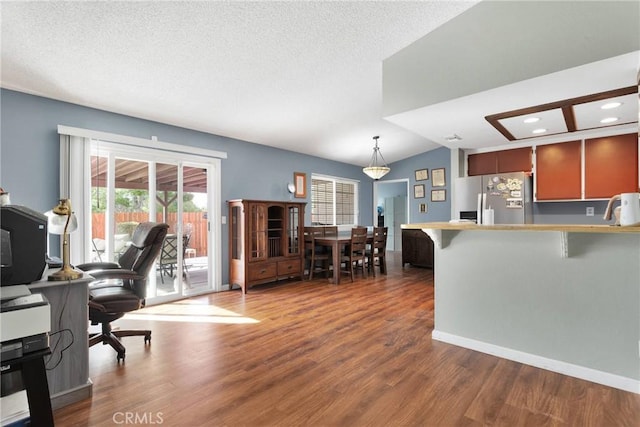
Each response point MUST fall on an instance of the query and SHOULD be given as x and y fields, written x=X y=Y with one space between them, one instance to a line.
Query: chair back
x=330 y=231
x=146 y=243
x=358 y=241
x=169 y=252
x=379 y=244
x=310 y=234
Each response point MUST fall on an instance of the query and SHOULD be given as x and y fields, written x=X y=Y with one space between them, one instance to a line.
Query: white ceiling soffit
x=301 y=76
x=596 y=111
x=509 y=56
x=465 y=116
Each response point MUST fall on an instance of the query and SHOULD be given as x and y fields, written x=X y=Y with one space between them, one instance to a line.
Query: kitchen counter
x=509 y=291
x=440 y=239
x=571 y=228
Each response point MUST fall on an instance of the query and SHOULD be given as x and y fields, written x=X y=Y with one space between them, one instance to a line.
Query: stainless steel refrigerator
x=509 y=195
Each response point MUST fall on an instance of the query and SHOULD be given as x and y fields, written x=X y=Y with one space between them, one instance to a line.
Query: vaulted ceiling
x=302 y=76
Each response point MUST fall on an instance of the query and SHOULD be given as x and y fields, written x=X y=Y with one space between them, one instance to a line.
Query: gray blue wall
x=30 y=170
x=29 y=163
x=435 y=159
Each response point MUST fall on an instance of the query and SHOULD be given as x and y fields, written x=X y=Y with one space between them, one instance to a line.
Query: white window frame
x=356 y=190
x=75 y=179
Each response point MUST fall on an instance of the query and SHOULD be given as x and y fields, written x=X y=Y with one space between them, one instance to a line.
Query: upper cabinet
x=482 y=163
x=611 y=166
x=504 y=161
x=601 y=167
x=515 y=160
x=558 y=171
x=595 y=168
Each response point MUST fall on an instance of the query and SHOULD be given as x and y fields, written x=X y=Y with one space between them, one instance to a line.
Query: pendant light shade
x=377 y=168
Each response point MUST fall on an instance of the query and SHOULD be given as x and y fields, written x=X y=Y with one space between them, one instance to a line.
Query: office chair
x=121 y=287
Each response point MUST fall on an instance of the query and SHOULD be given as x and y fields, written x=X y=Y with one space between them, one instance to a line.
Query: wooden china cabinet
x=265 y=241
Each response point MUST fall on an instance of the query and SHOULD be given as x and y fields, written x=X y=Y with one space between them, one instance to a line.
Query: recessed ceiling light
x=609 y=120
x=531 y=119
x=537 y=131
x=610 y=105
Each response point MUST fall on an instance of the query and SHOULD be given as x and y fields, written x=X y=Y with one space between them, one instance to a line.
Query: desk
x=69 y=381
x=34 y=379
x=337 y=243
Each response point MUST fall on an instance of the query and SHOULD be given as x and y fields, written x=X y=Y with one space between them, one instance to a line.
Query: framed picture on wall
x=438 y=178
x=422 y=174
x=418 y=191
x=300 y=182
x=438 y=195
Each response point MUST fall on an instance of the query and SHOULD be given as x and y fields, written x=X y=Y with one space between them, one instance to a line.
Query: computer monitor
x=24 y=245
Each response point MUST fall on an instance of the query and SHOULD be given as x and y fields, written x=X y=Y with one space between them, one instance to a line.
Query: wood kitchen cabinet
x=514 y=160
x=265 y=241
x=482 y=164
x=417 y=248
x=559 y=171
x=611 y=165
x=503 y=161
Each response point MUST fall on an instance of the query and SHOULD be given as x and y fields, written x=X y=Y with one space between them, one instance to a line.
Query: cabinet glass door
x=275 y=230
x=293 y=229
x=257 y=232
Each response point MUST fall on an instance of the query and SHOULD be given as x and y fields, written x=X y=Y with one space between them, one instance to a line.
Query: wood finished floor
x=314 y=354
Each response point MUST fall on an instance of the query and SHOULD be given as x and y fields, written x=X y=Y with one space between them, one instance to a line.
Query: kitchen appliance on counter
x=505 y=198
x=628 y=213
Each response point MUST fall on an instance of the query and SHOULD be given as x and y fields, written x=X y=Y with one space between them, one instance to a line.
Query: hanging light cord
x=376 y=152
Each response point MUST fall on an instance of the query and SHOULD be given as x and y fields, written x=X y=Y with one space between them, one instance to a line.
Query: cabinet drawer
x=289 y=268
x=262 y=271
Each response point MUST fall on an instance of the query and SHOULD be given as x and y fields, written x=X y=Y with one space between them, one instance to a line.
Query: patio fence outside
x=194 y=223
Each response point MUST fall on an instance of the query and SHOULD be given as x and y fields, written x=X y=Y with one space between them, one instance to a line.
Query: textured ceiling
x=302 y=76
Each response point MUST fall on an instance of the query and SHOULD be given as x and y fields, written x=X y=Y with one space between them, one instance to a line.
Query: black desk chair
x=121 y=287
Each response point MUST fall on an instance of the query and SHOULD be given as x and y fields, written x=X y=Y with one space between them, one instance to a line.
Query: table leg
x=335 y=251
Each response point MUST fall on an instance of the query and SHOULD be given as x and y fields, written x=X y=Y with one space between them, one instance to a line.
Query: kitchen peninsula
x=560 y=297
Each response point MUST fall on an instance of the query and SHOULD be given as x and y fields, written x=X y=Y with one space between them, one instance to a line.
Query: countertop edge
x=571 y=228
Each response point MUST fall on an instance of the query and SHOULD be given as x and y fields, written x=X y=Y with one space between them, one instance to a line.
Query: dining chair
x=355 y=256
x=327 y=231
x=317 y=261
x=377 y=251
x=169 y=255
x=330 y=230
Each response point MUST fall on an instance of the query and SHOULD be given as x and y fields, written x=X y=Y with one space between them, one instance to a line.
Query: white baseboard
x=588 y=374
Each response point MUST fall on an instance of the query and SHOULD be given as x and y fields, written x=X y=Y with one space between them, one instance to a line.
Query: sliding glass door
x=132 y=186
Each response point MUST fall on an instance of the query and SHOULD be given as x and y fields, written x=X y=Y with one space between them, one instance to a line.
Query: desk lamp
x=62 y=221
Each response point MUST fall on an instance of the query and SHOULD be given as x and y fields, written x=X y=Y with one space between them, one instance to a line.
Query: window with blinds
x=333 y=201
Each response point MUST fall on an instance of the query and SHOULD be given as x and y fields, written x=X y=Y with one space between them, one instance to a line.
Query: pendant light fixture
x=375 y=169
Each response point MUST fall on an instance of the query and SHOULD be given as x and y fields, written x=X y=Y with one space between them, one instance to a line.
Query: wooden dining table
x=337 y=244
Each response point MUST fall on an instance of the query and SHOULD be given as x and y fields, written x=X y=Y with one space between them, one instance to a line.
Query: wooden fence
x=194 y=223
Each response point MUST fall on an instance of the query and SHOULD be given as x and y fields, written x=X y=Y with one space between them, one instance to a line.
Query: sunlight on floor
x=195 y=313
